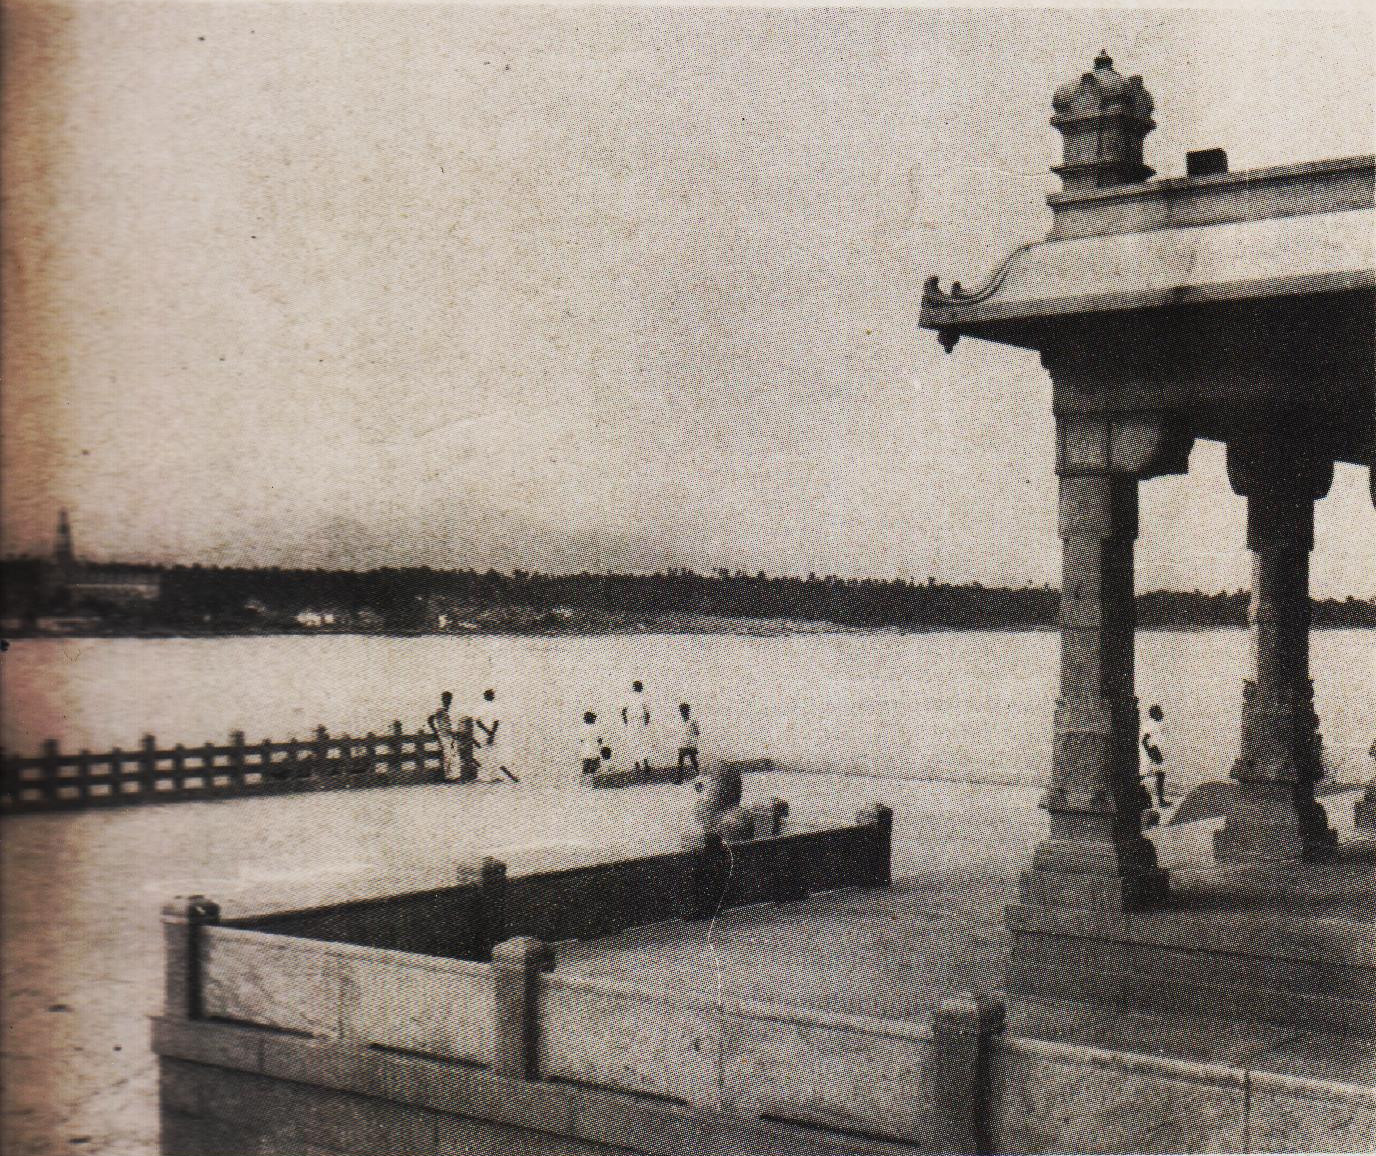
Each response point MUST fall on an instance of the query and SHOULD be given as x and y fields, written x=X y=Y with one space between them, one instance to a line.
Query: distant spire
x=65 y=551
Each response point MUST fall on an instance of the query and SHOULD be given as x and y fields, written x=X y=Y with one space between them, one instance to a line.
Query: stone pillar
x=1273 y=815
x=516 y=967
x=1097 y=856
x=182 y=920
x=964 y=1027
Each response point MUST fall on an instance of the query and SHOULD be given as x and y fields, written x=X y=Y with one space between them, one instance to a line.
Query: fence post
x=489 y=876
x=116 y=773
x=52 y=762
x=236 y=759
x=178 y=769
x=963 y=1030
x=182 y=920
x=148 y=766
x=516 y=967
x=322 y=752
x=395 y=747
x=879 y=859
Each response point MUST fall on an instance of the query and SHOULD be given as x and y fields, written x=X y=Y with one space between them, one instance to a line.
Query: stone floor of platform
x=894 y=954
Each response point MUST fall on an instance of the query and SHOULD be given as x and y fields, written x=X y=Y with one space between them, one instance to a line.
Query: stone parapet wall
x=392 y=1051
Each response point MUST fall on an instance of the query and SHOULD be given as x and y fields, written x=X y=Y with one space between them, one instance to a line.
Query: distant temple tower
x=64 y=554
x=73 y=584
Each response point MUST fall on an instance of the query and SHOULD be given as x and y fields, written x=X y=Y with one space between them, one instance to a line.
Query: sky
x=614 y=288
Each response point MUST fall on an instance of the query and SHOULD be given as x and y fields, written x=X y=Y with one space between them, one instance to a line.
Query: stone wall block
x=964 y=1027
x=516 y=966
x=182 y=920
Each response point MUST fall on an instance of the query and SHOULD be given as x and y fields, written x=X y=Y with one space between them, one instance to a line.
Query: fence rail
x=59 y=780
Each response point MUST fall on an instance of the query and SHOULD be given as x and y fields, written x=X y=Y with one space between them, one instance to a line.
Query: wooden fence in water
x=57 y=781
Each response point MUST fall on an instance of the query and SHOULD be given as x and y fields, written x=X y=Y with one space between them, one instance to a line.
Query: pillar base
x=1271 y=822
x=1136 y=892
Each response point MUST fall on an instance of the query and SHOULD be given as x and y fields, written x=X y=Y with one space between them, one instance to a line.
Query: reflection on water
x=924 y=705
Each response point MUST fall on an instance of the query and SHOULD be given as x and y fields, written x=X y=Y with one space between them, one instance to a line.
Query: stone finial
x=1103 y=118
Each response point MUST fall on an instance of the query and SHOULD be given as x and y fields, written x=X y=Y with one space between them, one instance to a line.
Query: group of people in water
x=625 y=740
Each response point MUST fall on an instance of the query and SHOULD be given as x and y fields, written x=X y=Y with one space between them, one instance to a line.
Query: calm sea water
x=930 y=705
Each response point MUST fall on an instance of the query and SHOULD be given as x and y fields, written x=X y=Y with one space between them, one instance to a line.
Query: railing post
x=148 y=766
x=322 y=753
x=516 y=967
x=178 y=769
x=52 y=761
x=704 y=876
x=182 y=920
x=963 y=1030
x=396 y=747
x=236 y=759
x=489 y=876
x=879 y=868
x=116 y=773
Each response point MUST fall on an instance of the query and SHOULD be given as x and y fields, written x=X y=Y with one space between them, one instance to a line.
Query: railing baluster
x=53 y=780
x=236 y=759
x=178 y=770
x=148 y=766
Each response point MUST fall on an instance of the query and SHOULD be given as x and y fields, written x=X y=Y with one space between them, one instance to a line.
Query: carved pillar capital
x=1267 y=465
x=1139 y=445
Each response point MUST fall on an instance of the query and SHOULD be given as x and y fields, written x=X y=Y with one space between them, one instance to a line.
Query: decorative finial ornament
x=1103 y=118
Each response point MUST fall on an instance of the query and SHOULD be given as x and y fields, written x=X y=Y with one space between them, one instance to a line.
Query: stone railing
x=487 y=906
x=262 y=1032
x=58 y=780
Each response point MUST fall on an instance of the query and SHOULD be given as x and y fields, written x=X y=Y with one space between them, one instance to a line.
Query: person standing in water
x=451 y=754
x=590 y=745
x=689 y=736
x=1154 y=742
x=485 y=734
x=635 y=717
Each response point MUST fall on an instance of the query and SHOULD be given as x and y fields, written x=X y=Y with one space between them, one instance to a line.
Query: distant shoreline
x=707 y=626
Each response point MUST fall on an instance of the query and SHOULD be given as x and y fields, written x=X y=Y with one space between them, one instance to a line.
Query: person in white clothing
x=635 y=717
x=486 y=730
x=689 y=736
x=442 y=723
x=590 y=744
x=1155 y=740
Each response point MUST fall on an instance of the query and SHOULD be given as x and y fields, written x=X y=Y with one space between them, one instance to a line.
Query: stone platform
x=1287 y=944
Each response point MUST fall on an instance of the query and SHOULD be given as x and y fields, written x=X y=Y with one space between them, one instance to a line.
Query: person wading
x=689 y=736
x=451 y=752
x=590 y=745
x=1154 y=742
x=635 y=717
x=496 y=755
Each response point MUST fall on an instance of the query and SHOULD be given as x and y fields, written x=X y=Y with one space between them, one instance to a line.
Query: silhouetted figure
x=1154 y=743
x=590 y=744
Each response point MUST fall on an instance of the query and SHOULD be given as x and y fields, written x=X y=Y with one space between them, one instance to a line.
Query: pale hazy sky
x=306 y=283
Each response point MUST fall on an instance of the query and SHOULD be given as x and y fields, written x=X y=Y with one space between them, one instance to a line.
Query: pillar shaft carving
x=1274 y=816
x=1096 y=855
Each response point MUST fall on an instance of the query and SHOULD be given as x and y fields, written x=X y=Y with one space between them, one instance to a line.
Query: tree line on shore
x=417 y=599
